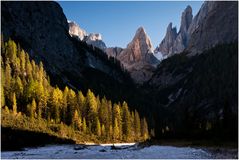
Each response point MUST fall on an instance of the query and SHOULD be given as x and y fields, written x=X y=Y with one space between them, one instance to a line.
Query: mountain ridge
x=191 y=36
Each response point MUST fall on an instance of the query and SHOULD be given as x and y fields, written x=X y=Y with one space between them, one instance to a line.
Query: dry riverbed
x=119 y=151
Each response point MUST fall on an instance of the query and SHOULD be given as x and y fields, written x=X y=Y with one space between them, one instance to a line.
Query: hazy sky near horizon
x=118 y=21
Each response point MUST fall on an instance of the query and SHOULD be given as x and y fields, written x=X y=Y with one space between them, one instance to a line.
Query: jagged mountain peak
x=141 y=41
x=141 y=29
x=95 y=36
x=170 y=25
x=174 y=42
x=170 y=28
x=140 y=32
x=76 y=30
x=138 y=57
x=209 y=27
x=188 y=9
x=94 y=39
x=186 y=19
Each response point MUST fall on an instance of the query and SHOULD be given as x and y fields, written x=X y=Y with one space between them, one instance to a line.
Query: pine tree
x=31 y=90
x=42 y=100
x=81 y=102
x=110 y=133
x=84 y=126
x=144 y=129
x=137 y=128
x=64 y=105
x=2 y=96
x=98 y=103
x=2 y=87
x=71 y=105
x=126 y=124
x=41 y=73
x=56 y=102
x=132 y=124
x=14 y=104
x=45 y=103
x=116 y=130
x=28 y=69
x=76 y=122
x=8 y=79
x=18 y=87
x=98 y=127
x=91 y=110
x=11 y=51
x=103 y=113
x=34 y=69
x=109 y=120
x=103 y=130
x=32 y=109
x=23 y=61
x=117 y=118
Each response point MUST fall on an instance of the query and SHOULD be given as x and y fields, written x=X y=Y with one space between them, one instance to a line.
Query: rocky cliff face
x=215 y=23
x=182 y=39
x=114 y=51
x=174 y=42
x=75 y=30
x=209 y=27
x=94 y=39
x=166 y=46
x=138 y=57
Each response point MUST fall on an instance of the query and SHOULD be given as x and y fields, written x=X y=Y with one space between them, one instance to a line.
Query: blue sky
x=118 y=21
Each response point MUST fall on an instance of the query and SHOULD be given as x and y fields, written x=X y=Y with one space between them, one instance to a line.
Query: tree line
x=25 y=88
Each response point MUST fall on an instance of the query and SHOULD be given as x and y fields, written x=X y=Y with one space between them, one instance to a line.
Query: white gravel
x=104 y=151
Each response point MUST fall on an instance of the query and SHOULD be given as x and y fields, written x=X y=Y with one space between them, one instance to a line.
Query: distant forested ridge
x=29 y=102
